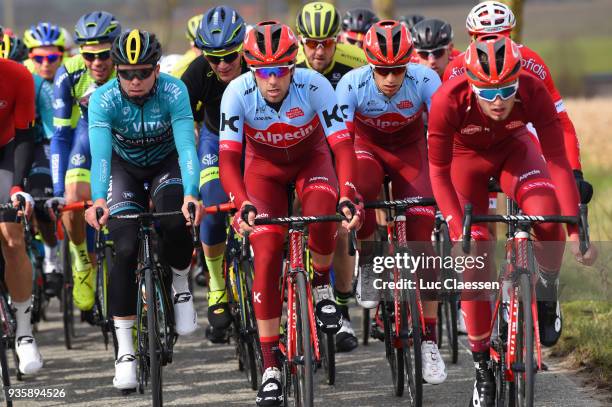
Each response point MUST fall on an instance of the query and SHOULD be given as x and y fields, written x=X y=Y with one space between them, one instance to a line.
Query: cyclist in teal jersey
x=141 y=132
x=70 y=157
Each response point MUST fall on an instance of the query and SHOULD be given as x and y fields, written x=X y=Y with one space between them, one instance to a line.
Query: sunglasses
x=91 y=56
x=51 y=58
x=437 y=53
x=278 y=71
x=216 y=60
x=129 y=74
x=314 y=44
x=386 y=70
x=490 y=94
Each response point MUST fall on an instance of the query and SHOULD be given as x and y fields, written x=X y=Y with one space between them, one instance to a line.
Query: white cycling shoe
x=184 y=313
x=367 y=296
x=125 y=372
x=30 y=359
x=434 y=370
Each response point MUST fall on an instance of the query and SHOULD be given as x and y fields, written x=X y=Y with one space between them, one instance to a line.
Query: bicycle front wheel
x=414 y=367
x=525 y=364
x=67 y=301
x=304 y=393
x=153 y=339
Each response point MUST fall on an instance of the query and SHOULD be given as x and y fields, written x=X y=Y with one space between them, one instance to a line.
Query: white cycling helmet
x=490 y=17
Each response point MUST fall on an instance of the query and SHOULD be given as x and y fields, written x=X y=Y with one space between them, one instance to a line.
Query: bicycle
x=401 y=319
x=101 y=316
x=300 y=347
x=516 y=350
x=39 y=299
x=448 y=298
x=155 y=332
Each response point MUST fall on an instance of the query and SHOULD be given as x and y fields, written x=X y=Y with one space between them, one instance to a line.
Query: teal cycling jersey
x=44 y=108
x=142 y=135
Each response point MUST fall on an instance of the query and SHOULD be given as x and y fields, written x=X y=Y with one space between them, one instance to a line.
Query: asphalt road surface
x=203 y=374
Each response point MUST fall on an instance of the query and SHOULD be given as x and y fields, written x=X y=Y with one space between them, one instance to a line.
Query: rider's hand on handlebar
x=355 y=220
x=588 y=258
x=90 y=214
x=27 y=198
x=54 y=203
x=198 y=213
x=247 y=211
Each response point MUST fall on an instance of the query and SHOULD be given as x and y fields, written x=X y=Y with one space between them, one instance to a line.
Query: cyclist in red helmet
x=383 y=106
x=478 y=130
x=286 y=116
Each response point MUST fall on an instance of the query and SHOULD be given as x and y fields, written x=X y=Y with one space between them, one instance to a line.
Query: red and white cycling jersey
x=533 y=64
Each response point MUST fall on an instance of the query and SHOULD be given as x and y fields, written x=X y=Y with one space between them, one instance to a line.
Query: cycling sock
x=342 y=299
x=79 y=256
x=320 y=275
x=23 y=316
x=125 y=341
x=180 y=280
x=479 y=345
x=51 y=254
x=269 y=349
x=430 y=330
x=216 y=281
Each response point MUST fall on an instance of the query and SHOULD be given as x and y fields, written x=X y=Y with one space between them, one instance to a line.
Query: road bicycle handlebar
x=581 y=220
x=401 y=203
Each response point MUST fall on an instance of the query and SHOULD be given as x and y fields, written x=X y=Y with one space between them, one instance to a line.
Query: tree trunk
x=517 y=9
x=384 y=8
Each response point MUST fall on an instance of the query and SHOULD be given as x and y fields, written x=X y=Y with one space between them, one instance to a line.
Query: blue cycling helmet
x=221 y=29
x=96 y=27
x=44 y=34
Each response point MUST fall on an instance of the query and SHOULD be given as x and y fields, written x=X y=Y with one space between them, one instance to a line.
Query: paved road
x=206 y=375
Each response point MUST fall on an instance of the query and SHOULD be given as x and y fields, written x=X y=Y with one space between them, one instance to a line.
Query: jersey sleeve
x=100 y=141
x=442 y=128
x=550 y=134
x=182 y=129
x=63 y=133
x=431 y=83
x=45 y=107
x=323 y=100
x=454 y=68
x=230 y=144
x=25 y=107
x=24 y=116
x=347 y=100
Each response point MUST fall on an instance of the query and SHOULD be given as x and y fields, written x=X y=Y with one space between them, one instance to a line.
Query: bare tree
x=384 y=8
x=517 y=9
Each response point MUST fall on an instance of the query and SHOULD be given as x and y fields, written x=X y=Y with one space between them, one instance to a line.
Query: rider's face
x=319 y=54
x=227 y=71
x=498 y=109
x=45 y=68
x=100 y=69
x=389 y=81
x=136 y=87
x=274 y=88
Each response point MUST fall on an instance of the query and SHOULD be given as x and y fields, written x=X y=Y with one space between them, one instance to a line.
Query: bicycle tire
x=155 y=363
x=250 y=335
x=67 y=301
x=247 y=270
x=416 y=331
x=305 y=370
x=365 y=326
x=395 y=359
x=526 y=382
x=327 y=350
x=141 y=341
x=451 y=327
x=6 y=375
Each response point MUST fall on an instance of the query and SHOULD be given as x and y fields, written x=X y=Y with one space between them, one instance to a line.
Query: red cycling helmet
x=388 y=43
x=492 y=60
x=270 y=43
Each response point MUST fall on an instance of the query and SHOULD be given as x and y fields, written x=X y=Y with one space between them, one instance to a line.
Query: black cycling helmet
x=358 y=20
x=136 y=48
x=431 y=34
x=411 y=20
x=13 y=48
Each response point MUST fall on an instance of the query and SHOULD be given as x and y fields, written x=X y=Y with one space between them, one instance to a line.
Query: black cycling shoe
x=484 y=386
x=219 y=316
x=270 y=393
x=327 y=312
x=53 y=284
x=549 y=310
x=346 y=340
x=216 y=335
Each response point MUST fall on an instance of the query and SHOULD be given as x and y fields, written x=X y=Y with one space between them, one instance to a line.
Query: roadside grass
x=586 y=341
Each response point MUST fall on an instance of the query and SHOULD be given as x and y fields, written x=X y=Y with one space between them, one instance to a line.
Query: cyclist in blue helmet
x=219 y=36
x=70 y=155
x=46 y=44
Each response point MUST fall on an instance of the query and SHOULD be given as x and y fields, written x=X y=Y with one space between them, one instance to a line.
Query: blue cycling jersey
x=44 y=108
x=142 y=135
x=385 y=120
